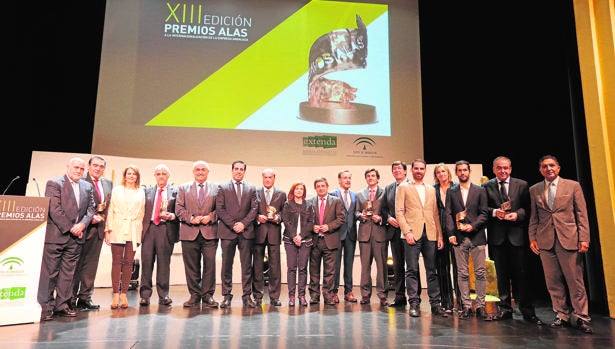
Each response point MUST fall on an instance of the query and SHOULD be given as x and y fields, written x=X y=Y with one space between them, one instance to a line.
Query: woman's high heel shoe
x=123 y=301
x=115 y=301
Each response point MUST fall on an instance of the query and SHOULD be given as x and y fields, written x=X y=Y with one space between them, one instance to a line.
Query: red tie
x=371 y=195
x=98 y=189
x=322 y=211
x=157 y=207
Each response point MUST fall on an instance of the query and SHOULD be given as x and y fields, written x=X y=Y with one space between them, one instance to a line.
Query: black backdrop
x=497 y=79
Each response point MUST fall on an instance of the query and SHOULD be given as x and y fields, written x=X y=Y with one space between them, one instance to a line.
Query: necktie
x=98 y=189
x=75 y=186
x=551 y=194
x=268 y=196
x=503 y=191
x=346 y=200
x=321 y=214
x=238 y=184
x=201 y=194
x=371 y=195
x=157 y=207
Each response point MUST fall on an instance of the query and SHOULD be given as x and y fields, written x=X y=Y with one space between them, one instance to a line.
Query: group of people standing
x=448 y=223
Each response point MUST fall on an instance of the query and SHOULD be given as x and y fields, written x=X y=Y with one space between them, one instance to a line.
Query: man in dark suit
x=559 y=234
x=237 y=207
x=160 y=233
x=195 y=208
x=268 y=236
x=348 y=235
x=466 y=217
x=372 y=236
x=329 y=217
x=400 y=172
x=508 y=199
x=87 y=267
x=71 y=208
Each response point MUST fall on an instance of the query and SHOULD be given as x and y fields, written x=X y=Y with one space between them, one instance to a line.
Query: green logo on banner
x=9 y=294
x=320 y=142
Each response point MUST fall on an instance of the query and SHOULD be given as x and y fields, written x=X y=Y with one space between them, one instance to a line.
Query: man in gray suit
x=160 y=233
x=559 y=234
x=268 y=236
x=85 y=274
x=71 y=208
x=329 y=217
x=237 y=207
x=198 y=232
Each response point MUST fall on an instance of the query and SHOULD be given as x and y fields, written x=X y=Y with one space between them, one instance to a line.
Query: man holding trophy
x=85 y=273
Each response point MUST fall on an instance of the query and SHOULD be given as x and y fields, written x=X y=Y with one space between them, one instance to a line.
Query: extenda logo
x=325 y=142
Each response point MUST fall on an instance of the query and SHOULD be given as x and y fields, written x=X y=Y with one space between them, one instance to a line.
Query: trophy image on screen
x=330 y=101
x=368 y=208
x=271 y=211
x=100 y=209
x=460 y=219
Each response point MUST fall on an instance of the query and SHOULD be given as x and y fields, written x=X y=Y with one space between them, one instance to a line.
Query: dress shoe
x=315 y=300
x=384 y=302
x=349 y=297
x=276 y=302
x=398 y=302
x=481 y=314
x=65 y=313
x=584 y=326
x=303 y=302
x=336 y=299
x=291 y=301
x=166 y=300
x=533 y=319
x=503 y=315
x=438 y=311
x=144 y=301
x=248 y=302
x=87 y=305
x=558 y=322
x=226 y=302
x=330 y=301
x=210 y=302
x=194 y=301
x=415 y=310
x=258 y=301
x=364 y=300
x=465 y=313
x=47 y=315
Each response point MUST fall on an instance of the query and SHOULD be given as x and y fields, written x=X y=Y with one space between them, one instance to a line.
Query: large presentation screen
x=271 y=82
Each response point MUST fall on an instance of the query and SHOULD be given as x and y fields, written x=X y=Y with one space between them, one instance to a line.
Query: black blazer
x=172 y=226
x=270 y=230
x=477 y=213
x=514 y=231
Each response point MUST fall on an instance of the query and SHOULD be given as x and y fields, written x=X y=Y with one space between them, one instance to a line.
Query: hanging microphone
x=10 y=183
x=37 y=188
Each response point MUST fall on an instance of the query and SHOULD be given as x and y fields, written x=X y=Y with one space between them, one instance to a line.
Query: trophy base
x=356 y=114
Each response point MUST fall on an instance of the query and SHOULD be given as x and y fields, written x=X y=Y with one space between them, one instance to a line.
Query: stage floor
x=345 y=325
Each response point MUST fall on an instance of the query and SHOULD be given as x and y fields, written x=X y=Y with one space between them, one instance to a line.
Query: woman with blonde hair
x=123 y=231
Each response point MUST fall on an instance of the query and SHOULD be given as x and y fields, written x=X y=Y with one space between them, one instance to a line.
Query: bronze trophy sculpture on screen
x=330 y=101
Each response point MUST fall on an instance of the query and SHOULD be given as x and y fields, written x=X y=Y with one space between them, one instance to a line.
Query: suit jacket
x=368 y=229
x=231 y=211
x=411 y=214
x=270 y=231
x=568 y=217
x=126 y=212
x=348 y=230
x=500 y=231
x=290 y=216
x=150 y=203
x=334 y=217
x=99 y=228
x=477 y=211
x=441 y=206
x=64 y=211
x=187 y=206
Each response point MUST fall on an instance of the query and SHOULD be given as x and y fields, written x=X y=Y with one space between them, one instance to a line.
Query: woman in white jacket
x=123 y=231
